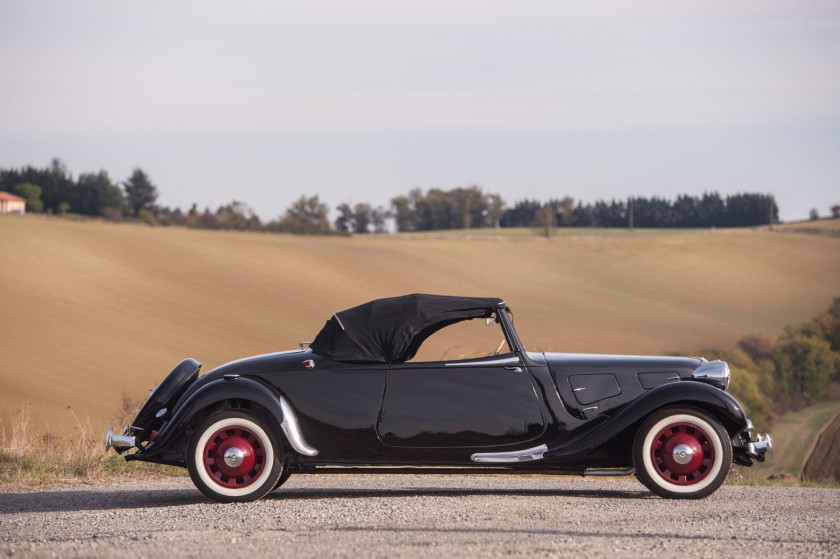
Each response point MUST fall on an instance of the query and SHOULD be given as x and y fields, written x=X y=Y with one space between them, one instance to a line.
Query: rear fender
x=600 y=431
x=221 y=390
x=167 y=394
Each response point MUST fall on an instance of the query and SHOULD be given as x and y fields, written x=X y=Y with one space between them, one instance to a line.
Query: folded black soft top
x=391 y=330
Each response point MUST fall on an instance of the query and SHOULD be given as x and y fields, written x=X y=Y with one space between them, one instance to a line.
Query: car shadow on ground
x=112 y=499
x=362 y=493
x=96 y=500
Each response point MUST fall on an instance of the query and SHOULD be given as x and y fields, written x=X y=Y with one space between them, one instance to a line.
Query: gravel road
x=410 y=515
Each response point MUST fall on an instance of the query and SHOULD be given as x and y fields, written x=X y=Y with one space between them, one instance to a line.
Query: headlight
x=715 y=373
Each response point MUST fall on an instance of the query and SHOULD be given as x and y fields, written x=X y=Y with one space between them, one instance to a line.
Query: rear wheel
x=234 y=456
x=682 y=453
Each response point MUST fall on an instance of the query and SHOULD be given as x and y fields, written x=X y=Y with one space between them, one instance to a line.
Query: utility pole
x=630 y=213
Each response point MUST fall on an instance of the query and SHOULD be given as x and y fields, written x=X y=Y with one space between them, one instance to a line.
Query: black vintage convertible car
x=359 y=400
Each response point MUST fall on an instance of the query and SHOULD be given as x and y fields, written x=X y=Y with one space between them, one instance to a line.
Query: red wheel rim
x=234 y=457
x=682 y=454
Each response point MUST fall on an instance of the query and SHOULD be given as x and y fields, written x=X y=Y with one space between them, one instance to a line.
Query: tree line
x=53 y=189
x=708 y=210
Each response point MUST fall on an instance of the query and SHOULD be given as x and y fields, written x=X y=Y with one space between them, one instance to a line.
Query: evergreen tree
x=140 y=193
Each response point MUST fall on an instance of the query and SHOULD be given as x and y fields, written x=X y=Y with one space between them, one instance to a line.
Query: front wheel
x=234 y=456
x=682 y=453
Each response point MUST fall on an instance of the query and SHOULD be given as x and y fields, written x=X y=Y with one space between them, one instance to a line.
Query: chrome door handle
x=514 y=368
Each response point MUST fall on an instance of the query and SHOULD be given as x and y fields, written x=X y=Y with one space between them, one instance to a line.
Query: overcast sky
x=364 y=100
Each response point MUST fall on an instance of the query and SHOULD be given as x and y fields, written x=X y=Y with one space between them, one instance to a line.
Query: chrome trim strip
x=609 y=471
x=526 y=455
x=338 y=320
x=291 y=429
x=504 y=361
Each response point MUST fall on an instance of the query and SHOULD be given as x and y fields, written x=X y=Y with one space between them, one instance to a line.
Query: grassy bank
x=792 y=439
x=30 y=459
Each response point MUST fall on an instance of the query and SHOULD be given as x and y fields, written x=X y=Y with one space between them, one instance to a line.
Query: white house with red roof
x=11 y=204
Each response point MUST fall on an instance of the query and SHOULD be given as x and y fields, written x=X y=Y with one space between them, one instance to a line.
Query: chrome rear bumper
x=119 y=443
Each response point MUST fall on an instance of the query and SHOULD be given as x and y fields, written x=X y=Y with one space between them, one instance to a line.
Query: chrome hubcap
x=234 y=457
x=682 y=454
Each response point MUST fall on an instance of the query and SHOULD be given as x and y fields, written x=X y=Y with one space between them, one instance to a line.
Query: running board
x=456 y=470
x=527 y=455
x=436 y=470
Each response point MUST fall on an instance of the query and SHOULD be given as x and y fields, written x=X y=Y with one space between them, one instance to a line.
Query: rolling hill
x=90 y=309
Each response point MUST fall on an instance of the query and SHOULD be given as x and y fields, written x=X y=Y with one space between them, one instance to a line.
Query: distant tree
x=404 y=215
x=238 y=216
x=344 y=221
x=362 y=218
x=710 y=210
x=522 y=214
x=567 y=206
x=306 y=216
x=378 y=216
x=813 y=215
x=63 y=208
x=94 y=192
x=140 y=193
x=495 y=210
x=835 y=211
x=32 y=194
x=546 y=220
x=208 y=220
x=582 y=216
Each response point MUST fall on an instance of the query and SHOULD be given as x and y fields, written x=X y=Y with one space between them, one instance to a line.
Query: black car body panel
x=541 y=411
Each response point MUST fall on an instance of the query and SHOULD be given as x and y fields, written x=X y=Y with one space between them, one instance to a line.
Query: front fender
x=220 y=390
x=599 y=431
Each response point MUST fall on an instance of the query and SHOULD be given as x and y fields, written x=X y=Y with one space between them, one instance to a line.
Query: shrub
x=804 y=366
x=758 y=347
x=111 y=214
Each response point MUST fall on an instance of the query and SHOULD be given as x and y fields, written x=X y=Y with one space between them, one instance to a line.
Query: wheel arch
x=221 y=395
x=620 y=429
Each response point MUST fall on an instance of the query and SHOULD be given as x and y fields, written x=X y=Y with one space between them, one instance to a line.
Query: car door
x=482 y=402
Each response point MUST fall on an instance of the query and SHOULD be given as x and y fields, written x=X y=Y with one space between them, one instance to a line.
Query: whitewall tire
x=682 y=453
x=234 y=456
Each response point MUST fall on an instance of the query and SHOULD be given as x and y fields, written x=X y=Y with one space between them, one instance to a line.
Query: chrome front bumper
x=760 y=447
x=750 y=447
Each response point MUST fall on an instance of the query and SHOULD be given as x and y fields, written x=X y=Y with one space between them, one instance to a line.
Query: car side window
x=468 y=339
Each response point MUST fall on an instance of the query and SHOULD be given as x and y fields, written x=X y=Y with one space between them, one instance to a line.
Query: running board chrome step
x=527 y=455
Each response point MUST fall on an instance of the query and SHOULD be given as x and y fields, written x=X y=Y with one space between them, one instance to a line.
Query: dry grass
x=30 y=458
x=91 y=310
